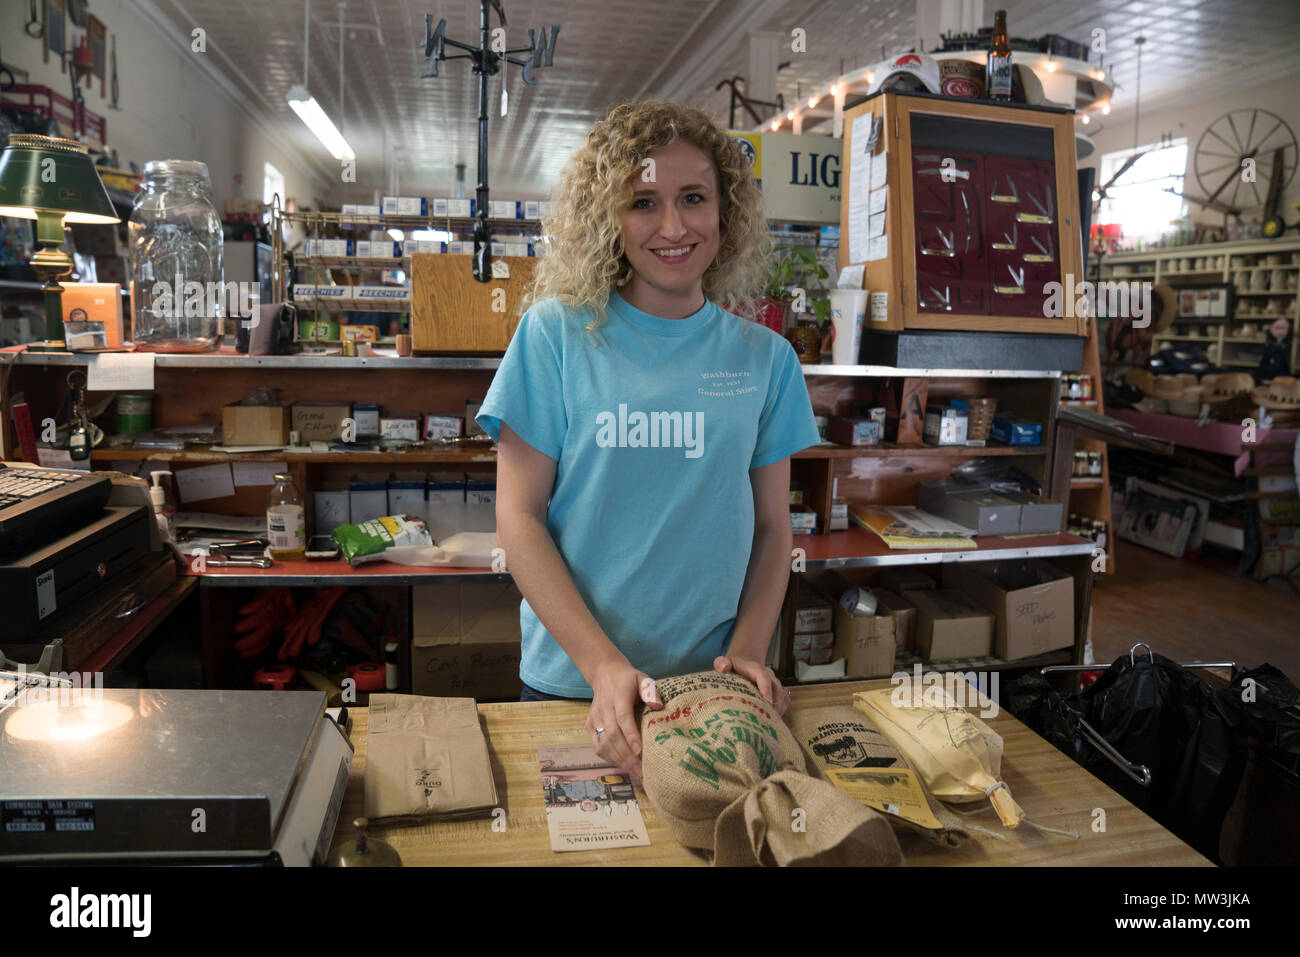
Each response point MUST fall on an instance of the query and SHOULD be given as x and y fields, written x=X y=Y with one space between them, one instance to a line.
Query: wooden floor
x=1195 y=610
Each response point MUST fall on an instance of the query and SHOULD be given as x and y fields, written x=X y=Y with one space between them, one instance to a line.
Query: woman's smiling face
x=671 y=230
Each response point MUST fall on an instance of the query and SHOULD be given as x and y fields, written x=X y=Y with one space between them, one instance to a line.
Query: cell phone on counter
x=322 y=548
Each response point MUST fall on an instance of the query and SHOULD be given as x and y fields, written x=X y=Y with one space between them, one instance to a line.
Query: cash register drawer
x=69 y=569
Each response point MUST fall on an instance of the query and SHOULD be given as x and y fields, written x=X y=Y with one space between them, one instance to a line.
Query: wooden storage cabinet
x=980 y=214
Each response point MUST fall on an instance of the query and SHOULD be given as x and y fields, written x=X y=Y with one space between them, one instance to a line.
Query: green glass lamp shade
x=54 y=182
x=48 y=174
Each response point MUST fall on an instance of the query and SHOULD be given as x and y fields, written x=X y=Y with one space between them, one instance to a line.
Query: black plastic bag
x=1157 y=714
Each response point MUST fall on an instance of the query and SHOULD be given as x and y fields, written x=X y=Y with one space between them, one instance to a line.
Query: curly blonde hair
x=586 y=260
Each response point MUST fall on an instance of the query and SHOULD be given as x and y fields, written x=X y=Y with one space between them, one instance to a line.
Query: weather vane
x=486 y=57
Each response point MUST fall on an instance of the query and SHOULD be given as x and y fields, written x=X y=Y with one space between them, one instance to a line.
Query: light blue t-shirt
x=654 y=431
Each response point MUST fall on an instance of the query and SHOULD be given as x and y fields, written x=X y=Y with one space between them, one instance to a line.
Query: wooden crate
x=451 y=312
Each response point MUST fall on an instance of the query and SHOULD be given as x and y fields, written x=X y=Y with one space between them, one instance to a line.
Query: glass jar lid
x=175 y=167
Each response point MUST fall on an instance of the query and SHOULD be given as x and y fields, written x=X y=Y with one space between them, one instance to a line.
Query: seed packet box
x=1032 y=601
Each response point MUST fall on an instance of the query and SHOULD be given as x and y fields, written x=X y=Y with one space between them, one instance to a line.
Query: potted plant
x=797 y=267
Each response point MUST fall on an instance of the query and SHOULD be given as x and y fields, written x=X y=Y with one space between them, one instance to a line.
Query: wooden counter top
x=1053 y=790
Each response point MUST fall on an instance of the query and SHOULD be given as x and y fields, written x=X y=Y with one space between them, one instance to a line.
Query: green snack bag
x=404 y=539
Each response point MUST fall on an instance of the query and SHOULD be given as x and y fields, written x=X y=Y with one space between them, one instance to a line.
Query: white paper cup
x=848 y=311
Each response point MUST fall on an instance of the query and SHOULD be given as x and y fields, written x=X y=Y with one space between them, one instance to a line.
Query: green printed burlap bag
x=730 y=780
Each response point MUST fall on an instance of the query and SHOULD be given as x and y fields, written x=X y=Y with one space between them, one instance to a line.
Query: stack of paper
x=910 y=527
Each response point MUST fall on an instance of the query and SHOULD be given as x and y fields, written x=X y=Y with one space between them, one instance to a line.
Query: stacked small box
x=813 y=641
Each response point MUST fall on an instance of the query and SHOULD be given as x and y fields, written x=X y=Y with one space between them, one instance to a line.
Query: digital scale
x=118 y=776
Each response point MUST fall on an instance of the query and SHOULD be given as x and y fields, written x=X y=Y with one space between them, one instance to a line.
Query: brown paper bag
x=730 y=781
x=958 y=755
x=426 y=757
x=840 y=738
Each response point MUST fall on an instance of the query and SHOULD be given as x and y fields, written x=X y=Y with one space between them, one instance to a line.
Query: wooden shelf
x=1094 y=481
x=207 y=456
x=858 y=548
x=941 y=451
x=1089 y=403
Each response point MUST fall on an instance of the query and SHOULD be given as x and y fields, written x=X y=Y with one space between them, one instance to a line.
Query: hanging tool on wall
x=33 y=27
x=486 y=58
x=112 y=66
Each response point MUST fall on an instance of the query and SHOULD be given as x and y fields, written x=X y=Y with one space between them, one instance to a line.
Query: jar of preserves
x=174 y=243
x=1094 y=464
x=1085 y=387
x=1080 y=463
x=286 y=527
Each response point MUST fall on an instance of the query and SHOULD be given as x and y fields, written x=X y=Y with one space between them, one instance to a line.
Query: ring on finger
x=599 y=732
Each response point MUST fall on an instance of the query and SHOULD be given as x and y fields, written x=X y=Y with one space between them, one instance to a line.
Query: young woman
x=643 y=432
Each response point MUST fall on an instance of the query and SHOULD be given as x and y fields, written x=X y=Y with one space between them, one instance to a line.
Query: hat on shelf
x=1282 y=393
x=1226 y=386
x=1189 y=406
x=1141 y=379
x=1164 y=303
x=1167 y=387
x=907 y=71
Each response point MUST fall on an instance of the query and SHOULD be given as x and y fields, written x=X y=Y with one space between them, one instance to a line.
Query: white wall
x=170 y=109
x=1188 y=116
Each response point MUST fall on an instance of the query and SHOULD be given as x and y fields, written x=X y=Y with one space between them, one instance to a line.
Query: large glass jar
x=174 y=240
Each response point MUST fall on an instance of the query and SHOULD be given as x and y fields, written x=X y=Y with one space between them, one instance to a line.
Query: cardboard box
x=320 y=421
x=946 y=426
x=255 y=425
x=333 y=508
x=986 y=512
x=1015 y=430
x=1032 y=600
x=813 y=614
x=854 y=431
x=950 y=625
x=465 y=640
x=98 y=304
x=1037 y=514
x=904 y=614
x=904 y=578
x=866 y=644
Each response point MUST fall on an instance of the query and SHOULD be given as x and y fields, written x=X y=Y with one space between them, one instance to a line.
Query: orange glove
x=306 y=627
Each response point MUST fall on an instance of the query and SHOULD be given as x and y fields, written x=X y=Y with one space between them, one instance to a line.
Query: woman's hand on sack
x=616 y=689
x=763 y=677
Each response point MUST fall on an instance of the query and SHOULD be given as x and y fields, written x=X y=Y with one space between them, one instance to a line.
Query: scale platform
x=124 y=776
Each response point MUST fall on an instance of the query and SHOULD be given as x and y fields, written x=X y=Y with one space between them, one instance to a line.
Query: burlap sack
x=731 y=781
x=841 y=737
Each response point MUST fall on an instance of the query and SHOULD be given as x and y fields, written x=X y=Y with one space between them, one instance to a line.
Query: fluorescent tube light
x=309 y=111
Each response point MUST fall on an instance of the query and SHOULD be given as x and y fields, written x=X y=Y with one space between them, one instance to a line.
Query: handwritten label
x=120 y=370
x=257 y=473
x=207 y=481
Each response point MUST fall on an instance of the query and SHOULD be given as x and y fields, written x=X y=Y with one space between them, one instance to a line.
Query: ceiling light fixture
x=305 y=105
x=310 y=112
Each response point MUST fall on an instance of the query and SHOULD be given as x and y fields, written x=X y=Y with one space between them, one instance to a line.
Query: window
x=1138 y=201
x=272 y=184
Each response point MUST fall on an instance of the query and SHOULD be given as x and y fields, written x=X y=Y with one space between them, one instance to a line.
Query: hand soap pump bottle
x=163 y=507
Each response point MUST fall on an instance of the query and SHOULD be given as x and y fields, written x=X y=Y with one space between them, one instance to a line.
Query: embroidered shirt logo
x=651 y=430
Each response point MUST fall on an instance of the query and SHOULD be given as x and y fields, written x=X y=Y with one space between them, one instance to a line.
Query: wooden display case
x=980 y=214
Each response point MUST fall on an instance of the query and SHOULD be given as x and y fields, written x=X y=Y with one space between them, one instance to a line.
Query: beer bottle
x=997 y=73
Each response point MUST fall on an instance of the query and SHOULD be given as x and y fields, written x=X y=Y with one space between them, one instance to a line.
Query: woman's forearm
x=544 y=580
x=761 y=598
